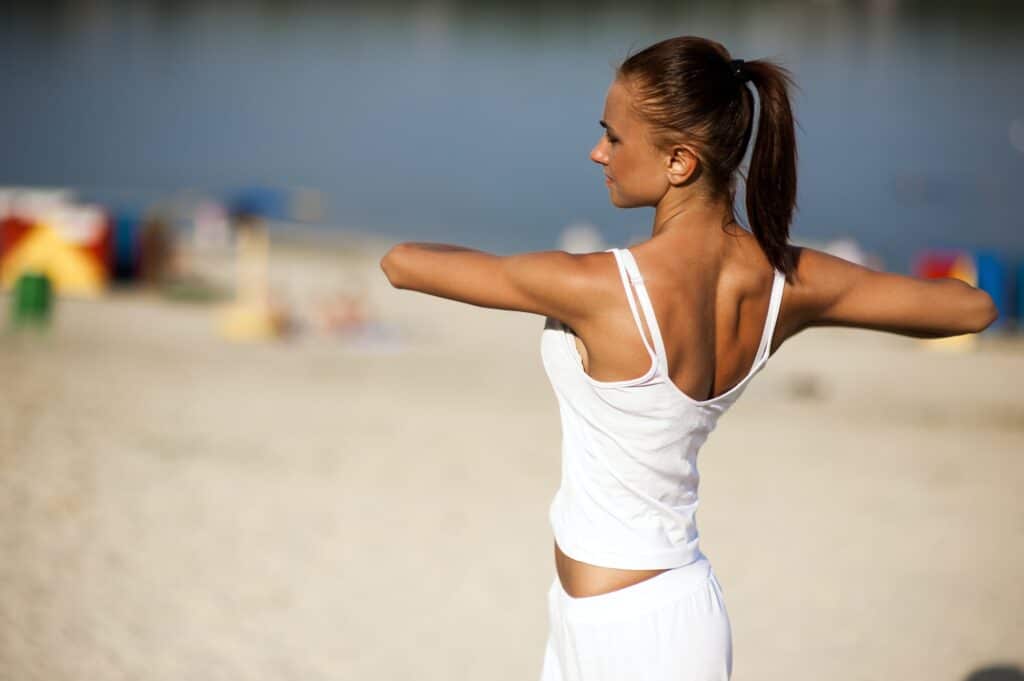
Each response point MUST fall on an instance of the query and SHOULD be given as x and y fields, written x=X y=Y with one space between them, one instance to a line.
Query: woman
x=647 y=346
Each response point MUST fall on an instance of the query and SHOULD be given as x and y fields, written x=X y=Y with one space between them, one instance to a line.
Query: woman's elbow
x=390 y=265
x=985 y=314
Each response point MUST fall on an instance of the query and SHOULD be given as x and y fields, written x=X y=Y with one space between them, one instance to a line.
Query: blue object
x=264 y=202
x=993 y=278
x=1020 y=296
x=125 y=246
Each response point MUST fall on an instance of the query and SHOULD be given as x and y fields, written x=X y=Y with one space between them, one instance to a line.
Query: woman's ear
x=681 y=165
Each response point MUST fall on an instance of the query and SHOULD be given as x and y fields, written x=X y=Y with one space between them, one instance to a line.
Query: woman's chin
x=620 y=202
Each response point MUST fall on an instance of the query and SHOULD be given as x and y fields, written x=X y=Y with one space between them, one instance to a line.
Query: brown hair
x=690 y=90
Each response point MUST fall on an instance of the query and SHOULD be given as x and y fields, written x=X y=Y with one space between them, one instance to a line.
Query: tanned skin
x=708 y=279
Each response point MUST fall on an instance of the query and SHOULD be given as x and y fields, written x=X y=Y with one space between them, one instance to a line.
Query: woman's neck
x=685 y=210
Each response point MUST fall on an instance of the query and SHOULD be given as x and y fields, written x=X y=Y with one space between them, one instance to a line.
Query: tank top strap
x=633 y=270
x=621 y=264
x=774 y=305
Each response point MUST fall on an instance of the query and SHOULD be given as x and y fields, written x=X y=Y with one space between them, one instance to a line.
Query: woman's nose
x=598 y=154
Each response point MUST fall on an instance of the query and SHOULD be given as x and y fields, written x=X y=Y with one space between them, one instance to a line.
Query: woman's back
x=710 y=296
x=626 y=505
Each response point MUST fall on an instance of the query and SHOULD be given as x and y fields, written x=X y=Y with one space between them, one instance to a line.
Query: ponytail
x=771 y=178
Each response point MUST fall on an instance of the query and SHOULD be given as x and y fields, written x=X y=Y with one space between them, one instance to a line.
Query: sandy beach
x=174 y=506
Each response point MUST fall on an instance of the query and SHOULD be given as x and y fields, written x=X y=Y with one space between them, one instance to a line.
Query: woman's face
x=635 y=171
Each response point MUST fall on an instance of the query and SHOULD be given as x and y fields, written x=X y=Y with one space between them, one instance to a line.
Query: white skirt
x=671 y=627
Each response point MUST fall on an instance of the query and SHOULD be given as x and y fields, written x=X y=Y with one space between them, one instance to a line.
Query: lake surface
x=472 y=122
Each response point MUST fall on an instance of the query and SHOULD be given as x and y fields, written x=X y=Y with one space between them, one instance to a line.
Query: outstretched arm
x=550 y=283
x=841 y=293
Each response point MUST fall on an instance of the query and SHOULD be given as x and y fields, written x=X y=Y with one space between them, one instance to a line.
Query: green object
x=32 y=301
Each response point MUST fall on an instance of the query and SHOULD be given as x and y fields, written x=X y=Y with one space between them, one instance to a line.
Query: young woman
x=647 y=346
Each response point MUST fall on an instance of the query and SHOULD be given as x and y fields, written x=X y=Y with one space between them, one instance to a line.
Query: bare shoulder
x=594 y=280
x=817 y=281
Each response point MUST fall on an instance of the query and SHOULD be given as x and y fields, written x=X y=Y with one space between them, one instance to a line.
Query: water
x=471 y=122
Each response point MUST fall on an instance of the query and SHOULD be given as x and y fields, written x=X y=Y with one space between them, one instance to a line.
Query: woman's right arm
x=836 y=292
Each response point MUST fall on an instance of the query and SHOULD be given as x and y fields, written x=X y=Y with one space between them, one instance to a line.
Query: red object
x=12 y=229
x=102 y=248
x=935 y=264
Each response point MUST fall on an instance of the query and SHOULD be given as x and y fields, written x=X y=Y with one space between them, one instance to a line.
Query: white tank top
x=628 y=494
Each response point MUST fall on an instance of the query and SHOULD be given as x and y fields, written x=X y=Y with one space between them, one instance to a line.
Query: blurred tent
x=67 y=243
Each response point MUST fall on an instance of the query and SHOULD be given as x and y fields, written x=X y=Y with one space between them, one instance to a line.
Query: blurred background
x=229 y=449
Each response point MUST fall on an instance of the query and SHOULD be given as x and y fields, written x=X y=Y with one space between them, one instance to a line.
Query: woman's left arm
x=550 y=283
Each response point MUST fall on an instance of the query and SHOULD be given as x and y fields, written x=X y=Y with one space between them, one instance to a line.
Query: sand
x=173 y=506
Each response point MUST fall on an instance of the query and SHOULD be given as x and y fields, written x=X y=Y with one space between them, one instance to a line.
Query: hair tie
x=738 y=71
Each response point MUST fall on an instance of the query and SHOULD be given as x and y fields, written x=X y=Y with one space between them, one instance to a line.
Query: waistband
x=636 y=598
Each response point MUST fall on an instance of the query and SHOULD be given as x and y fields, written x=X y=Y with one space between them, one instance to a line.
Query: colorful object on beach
x=935 y=264
x=70 y=246
x=252 y=316
x=993 y=279
x=31 y=304
x=268 y=203
x=125 y=248
x=1020 y=296
x=242 y=322
x=12 y=229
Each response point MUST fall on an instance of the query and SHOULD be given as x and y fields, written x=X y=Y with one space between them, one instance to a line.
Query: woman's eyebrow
x=606 y=126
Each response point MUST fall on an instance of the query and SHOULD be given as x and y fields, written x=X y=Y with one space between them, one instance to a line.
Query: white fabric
x=628 y=493
x=671 y=627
